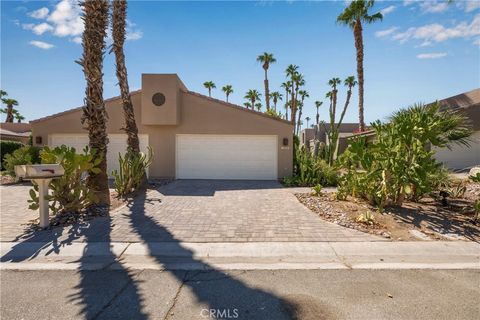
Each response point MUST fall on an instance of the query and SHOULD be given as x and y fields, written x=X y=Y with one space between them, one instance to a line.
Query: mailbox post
x=42 y=174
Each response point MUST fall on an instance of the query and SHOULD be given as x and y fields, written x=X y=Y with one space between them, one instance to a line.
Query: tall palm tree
x=275 y=97
x=9 y=110
x=119 y=14
x=308 y=120
x=209 y=85
x=318 y=104
x=303 y=94
x=94 y=118
x=298 y=81
x=266 y=59
x=349 y=82
x=334 y=82
x=252 y=95
x=292 y=71
x=353 y=16
x=228 y=89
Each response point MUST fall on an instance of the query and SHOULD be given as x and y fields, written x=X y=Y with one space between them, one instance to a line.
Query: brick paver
x=191 y=211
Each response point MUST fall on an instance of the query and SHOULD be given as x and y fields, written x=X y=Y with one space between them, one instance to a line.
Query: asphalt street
x=236 y=294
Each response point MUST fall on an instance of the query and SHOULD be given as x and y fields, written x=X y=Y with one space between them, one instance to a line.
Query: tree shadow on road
x=211 y=287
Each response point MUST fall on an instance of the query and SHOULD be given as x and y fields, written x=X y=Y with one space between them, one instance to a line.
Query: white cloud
x=41 y=13
x=438 y=33
x=41 y=45
x=28 y=26
x=133 y=35
x=477 y=42
x=387 y=10
x=434 y=6
x=77 y=40
x=66 y=19
x=408 y=2
x=434 y=55
x=472 y=5
x=386 y=32
x=41 y=28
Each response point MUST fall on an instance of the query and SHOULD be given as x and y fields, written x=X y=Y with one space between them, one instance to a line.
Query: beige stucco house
x=192 y=136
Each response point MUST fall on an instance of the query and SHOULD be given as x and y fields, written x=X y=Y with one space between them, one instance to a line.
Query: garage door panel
x=226 y=157
x=117 y=144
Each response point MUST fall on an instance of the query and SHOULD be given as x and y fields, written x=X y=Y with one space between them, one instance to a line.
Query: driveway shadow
x=209 y=187
x=223 y=291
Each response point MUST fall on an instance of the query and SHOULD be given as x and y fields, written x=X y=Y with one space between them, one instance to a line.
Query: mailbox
x=41 y=174
x=39 y=171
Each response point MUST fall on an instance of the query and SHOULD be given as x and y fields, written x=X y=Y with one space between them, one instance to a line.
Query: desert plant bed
x=427 y=219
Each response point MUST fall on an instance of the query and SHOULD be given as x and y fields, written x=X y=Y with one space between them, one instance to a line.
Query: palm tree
x=333 y=83
x=318 y=104
x=303 y=94
x=307 y=119
x=9 y=110
x=298 y=81
x=94 y=118
x=253 y=96
x=247 y=105
x=228 y=89
x=275 y=97
x=18 y=116
x=119 y=13
x=353 y=16
x=292 y=71
x=209 y=85
x=258 y=106
x=266 y=59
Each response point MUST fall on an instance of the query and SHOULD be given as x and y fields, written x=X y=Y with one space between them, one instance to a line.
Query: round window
x=158 y=99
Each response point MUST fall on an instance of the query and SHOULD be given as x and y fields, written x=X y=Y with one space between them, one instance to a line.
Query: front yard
x=426 y=219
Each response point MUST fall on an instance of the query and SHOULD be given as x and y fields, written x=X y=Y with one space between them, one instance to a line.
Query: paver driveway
x=209 y=211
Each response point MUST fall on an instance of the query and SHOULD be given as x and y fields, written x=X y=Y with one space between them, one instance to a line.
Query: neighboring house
x=307 y=136
x=462 y=157
x=12 y=131
x=192 y=136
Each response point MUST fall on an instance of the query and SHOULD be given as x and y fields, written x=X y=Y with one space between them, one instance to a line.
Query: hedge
x=7 y=147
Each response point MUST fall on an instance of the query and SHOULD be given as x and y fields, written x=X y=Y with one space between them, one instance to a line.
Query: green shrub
x=317 y=190
x=7 y=147
x=69 y=193
x=310 y=170
x=399 y=164
x=131 y=171
x=475 y=178
x=23 y=155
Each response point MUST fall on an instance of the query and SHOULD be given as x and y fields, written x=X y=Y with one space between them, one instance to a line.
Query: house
x=346 y=130
x=460 y=157
x=192 y=136
x=14 y=131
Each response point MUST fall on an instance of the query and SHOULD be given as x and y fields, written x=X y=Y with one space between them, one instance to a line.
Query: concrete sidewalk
x=240 y=256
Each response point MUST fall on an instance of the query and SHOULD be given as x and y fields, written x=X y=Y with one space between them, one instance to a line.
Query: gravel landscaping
x=414 y=221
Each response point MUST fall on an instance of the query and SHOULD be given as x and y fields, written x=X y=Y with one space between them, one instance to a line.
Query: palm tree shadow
x=98 y=290
x=212 y=287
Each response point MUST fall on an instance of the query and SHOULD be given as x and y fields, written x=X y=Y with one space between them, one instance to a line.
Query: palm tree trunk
x=94 y=116
x=9 y=117
x=267 y=92
x=209 y=92
x=292 y=101
x=227 y=97
x=119 y=13
x=357 y=32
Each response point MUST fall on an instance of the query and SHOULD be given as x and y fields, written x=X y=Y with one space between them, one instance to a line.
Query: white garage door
x=247 y=157
x=117 y=144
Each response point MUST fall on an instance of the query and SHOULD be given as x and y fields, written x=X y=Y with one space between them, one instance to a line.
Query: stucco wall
x=198 y=115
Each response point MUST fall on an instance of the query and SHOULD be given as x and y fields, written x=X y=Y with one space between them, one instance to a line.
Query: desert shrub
x=366 y=218
x=311 y=170
x=317 y=190
x=69 y=193
x=23 y=155
x=399 y=164
x=475 y=178
x=131 y=171
x=8 y=147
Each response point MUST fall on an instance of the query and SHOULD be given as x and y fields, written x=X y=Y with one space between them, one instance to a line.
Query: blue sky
x=421 y=51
